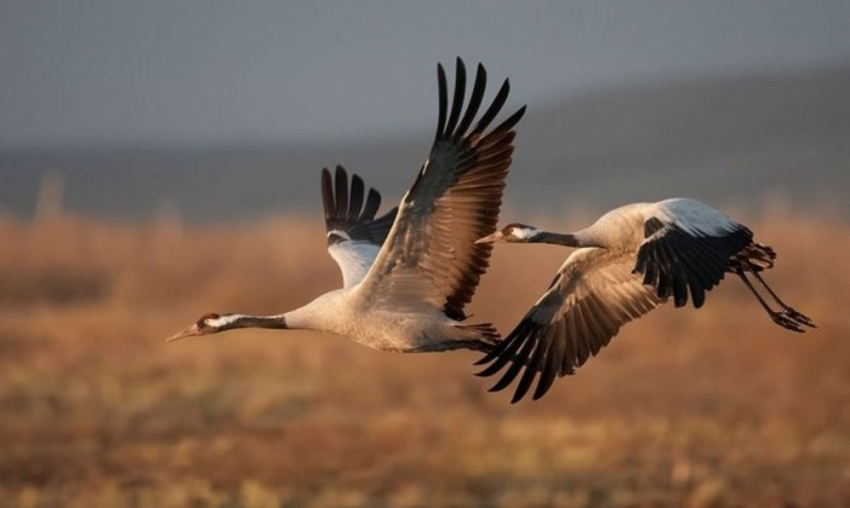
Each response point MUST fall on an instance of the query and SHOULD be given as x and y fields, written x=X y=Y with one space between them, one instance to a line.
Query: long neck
x=583 y=238
x=566 y=239
x=234 y=321
x=307 y=317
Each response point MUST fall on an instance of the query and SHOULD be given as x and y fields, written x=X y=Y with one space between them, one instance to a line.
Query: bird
x=408 y=274
x=631 y=260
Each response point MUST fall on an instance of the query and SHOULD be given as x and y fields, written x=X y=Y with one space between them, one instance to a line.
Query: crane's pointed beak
x=192 y=331
x=495 y=237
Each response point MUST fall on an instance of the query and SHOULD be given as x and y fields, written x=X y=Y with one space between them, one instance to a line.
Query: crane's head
x=205 y=325
x=512 y=233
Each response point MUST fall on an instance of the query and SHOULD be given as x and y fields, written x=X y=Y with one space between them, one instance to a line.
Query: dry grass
x=714 y=407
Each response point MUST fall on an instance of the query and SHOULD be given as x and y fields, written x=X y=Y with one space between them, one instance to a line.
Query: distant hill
x=730 y=139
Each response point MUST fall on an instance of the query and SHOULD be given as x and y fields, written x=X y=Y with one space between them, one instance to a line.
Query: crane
x=408 y=274
x=630 y=261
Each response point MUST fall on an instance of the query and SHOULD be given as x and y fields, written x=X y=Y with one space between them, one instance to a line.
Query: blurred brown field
x=716 y=407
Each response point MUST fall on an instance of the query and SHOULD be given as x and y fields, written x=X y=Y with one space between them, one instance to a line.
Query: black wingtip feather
x=535 y=364
x=373 y=203
x=474 y=102
x=457 y=101
x=505 y=351
x=514 y=369
x=442 y=87
x=341 y=184
x=355 y=203
x=345 y=210
x=511 y=121
x=327 y=195
x=493 y=110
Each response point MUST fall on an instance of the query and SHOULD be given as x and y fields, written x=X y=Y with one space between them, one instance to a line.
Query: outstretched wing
x=355 y=236
x=430 y=255
x=592 y=296
x=687 y=246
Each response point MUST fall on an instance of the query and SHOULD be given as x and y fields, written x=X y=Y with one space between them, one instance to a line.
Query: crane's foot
x=786 y=321
x=799 y=317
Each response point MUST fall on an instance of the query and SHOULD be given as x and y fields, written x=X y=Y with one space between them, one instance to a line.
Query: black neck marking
x=245 y=321
x=565 y=239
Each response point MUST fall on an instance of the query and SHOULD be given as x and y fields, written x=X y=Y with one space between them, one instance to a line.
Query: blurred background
x=160 y=160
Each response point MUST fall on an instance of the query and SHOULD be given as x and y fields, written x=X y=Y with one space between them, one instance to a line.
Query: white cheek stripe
x=525 y=233
x=222 y=321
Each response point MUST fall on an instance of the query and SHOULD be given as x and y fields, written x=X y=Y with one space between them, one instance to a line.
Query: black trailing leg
x=781 y=318
x=790 y=311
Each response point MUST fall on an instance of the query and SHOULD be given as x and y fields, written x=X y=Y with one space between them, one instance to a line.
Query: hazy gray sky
x=105 y=73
